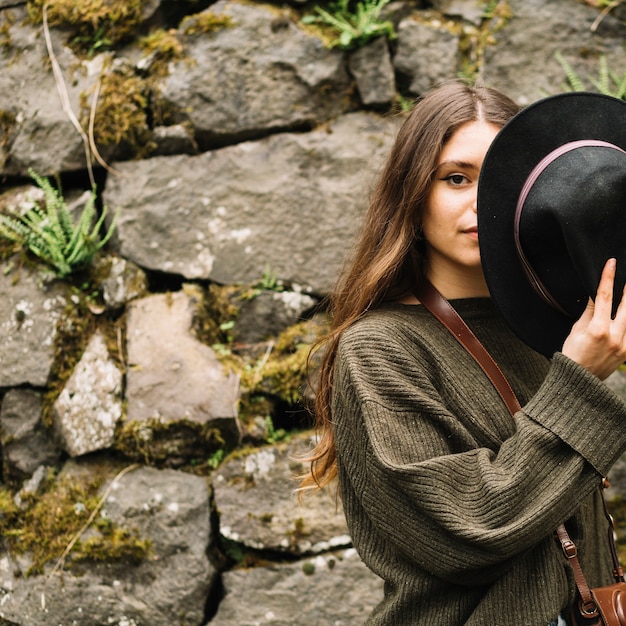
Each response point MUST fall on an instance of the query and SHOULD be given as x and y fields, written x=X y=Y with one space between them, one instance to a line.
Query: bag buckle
x=569 y=549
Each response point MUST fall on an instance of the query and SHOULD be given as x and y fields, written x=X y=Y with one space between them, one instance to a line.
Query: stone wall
x=152 y=409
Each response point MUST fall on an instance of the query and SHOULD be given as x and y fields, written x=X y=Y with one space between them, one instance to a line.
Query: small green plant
x=402 y=104
x=489 y=9
x=50 y=233
x=93 y=43
x=607 y=82
x=216 y=458
x=274 y=435
x=354 y=28
x=269 y=281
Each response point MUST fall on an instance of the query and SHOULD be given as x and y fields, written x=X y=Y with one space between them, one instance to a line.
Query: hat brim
x=532 y=134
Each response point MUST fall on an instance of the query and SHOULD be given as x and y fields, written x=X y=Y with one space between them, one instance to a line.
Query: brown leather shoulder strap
x=445 y=313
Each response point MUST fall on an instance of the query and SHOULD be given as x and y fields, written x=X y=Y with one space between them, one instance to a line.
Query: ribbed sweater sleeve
x=420 y=466
x=582 y=412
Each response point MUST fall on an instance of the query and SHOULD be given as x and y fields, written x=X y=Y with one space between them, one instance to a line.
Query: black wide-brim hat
x=552 y=211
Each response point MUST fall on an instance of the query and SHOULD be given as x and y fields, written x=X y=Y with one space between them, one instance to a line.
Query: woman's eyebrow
x=460 y=164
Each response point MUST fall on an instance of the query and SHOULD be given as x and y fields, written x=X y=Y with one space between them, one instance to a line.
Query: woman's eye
x=456 y=179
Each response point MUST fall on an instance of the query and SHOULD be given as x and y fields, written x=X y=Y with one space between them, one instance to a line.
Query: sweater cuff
x=582 y=411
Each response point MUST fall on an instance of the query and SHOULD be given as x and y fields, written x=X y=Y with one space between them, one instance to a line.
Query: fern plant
x=608 y=82
x=354 y=28
x=50 y=233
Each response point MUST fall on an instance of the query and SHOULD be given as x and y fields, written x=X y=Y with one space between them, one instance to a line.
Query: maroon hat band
x=533 y=279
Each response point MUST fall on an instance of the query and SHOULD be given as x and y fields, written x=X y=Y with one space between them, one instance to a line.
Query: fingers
x=600 y=310
x=610 y=330
x=604 y=296
x=597 y=341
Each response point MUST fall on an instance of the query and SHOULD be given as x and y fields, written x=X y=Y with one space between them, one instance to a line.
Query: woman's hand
x=596 y=341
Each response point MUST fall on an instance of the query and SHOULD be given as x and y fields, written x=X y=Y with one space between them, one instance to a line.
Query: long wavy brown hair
x=388 y=259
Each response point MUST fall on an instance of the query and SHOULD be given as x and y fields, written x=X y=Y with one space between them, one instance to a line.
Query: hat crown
x=572 y=219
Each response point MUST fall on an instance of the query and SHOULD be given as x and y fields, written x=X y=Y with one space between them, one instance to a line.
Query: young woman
x=448 y=498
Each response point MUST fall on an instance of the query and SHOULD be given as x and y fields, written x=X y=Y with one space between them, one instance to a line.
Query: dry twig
x=63 y=94
x=88 y=140
x=77 y=536
x=607 y=9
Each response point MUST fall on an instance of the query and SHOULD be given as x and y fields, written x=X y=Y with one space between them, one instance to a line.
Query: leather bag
x=598 y=606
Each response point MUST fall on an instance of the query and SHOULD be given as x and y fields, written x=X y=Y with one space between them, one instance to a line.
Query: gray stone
x=617 y=476
x=470 y=10
x=124 y=282
x=258 y=506
x=32 y=486
x=35 y=131
x=269 y=313
x=291 y=202
x=372 y=69
x=335 y=588
x=171 y=375
x=169 y=508
x=21 y=198
x=89 y=407
x=522 y=61
x=619 y=11
x=29 y=313
x=26 y=442
x=175 y=139
x=426 y=55
x=250 y=78
x=617 y=383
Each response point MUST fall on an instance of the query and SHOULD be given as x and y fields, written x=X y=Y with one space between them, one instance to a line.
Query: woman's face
x=449 y=219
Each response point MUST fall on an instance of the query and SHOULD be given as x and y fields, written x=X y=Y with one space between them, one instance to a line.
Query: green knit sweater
x=448 y=498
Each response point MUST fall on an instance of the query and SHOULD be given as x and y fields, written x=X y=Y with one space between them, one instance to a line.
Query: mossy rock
x=49 y=525
x=177 y=444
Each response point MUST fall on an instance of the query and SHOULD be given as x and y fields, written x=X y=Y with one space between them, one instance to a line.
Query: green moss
x=8 y=123
x=179 y=443
x=7 y=250
x=284 y=373
x=323 y=32
x=121 y=116
x=6 y=21
x=113 y=544
x=94 y=25
x=162 y=42
x=48 y=522
x=213 y=314
x=271 y=372
x=165 y=46
x=204 y=23
x=9 y=512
